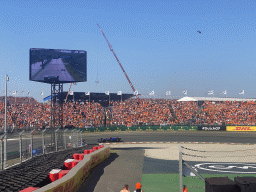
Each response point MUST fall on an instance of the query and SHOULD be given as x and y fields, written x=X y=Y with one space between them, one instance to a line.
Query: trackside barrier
x=140 y=128
x=75 y=177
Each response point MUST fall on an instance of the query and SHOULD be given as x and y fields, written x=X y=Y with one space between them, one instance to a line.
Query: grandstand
x=26 y=112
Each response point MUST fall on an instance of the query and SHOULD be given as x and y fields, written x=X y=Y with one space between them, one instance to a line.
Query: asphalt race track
x=173 y=136
x=178 y=136
x=54 y=68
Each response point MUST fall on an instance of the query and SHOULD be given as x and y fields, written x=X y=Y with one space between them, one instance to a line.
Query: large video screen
x=58 y=65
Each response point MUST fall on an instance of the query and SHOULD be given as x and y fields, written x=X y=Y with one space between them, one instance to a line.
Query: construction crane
x=69 y=91
x=110 y=46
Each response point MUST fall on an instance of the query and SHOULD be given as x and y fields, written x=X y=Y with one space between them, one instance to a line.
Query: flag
x=87 y=93
x=119 y=93
x=136 y=92
x=210 y=92
x=242 y=92
x=185 y=92
x=71 y=93
x=224 y=92
x=42 y=93
x=28 y=92
x=14 y=92
x=168 y=93
x=152 y=93
x=107 y=92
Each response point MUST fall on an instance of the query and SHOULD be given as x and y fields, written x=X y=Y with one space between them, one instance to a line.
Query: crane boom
x=68 y=93
x=110 y=47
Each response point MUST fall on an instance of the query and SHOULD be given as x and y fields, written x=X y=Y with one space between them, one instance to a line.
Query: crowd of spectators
x=25 y=112
x=228 y=113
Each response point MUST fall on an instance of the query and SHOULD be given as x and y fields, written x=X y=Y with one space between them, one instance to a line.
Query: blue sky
x=156 y=41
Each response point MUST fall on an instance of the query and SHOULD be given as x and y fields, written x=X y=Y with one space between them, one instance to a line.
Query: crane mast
x=110 y=47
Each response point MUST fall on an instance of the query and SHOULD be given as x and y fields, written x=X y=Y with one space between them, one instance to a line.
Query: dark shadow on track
x=95 y=174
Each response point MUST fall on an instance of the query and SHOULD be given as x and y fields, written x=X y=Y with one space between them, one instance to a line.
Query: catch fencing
x=23 y=145
x=197 y=162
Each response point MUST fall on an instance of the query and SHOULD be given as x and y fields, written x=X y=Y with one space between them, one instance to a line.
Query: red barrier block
x=81 y=156
x=63 y=173
x=54 y=174
x=68 y=163
x=95 y=148
x=29 y=189
x=76 y=156
x=90 y=150
x=101 y=146
x=86 y=151
x=75 y=162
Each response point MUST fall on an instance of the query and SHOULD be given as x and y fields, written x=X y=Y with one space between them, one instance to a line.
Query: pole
x=5 y=121
x=2 y=150
x=65 y=140
x=77 y=135
x=31 y=142
x=21 y=146
x=56 y=139
x=81 y=137
x=43 y=141
x=180 y=167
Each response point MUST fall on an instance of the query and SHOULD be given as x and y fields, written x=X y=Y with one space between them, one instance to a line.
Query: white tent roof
x=187 y=99
x=213 y=99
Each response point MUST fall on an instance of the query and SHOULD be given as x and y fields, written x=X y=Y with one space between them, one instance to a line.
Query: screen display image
x=60 y=65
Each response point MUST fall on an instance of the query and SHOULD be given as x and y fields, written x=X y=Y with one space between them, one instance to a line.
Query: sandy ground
x=197 y=152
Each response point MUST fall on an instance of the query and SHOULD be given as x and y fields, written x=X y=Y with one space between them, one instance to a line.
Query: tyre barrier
x=74 y=171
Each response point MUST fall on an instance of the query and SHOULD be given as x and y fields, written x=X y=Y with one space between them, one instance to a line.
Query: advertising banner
x=211 y=128
x=241 y=128
x=185 y=128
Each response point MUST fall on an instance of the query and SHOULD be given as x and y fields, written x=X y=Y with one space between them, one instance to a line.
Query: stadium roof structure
x=213 y=99
x=101 y=98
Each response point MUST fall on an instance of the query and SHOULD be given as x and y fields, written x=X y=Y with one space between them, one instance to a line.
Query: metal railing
x=24 y=145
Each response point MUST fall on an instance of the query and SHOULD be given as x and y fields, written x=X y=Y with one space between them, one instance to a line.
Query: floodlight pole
x=5 y=120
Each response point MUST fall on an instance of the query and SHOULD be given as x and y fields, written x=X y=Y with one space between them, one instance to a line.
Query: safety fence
x=21 y=146
x=197 y=162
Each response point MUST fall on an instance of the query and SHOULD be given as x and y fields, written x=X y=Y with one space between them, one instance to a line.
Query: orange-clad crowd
x=27 y=112
x=228 y=112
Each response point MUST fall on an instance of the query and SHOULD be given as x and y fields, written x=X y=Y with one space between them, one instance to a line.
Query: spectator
x=125 y=189
x=138 y=187
x=185 y=189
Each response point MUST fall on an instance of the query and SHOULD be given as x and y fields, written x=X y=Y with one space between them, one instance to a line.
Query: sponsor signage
x=241 y=128
x=211 y=128
x=246 y=168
